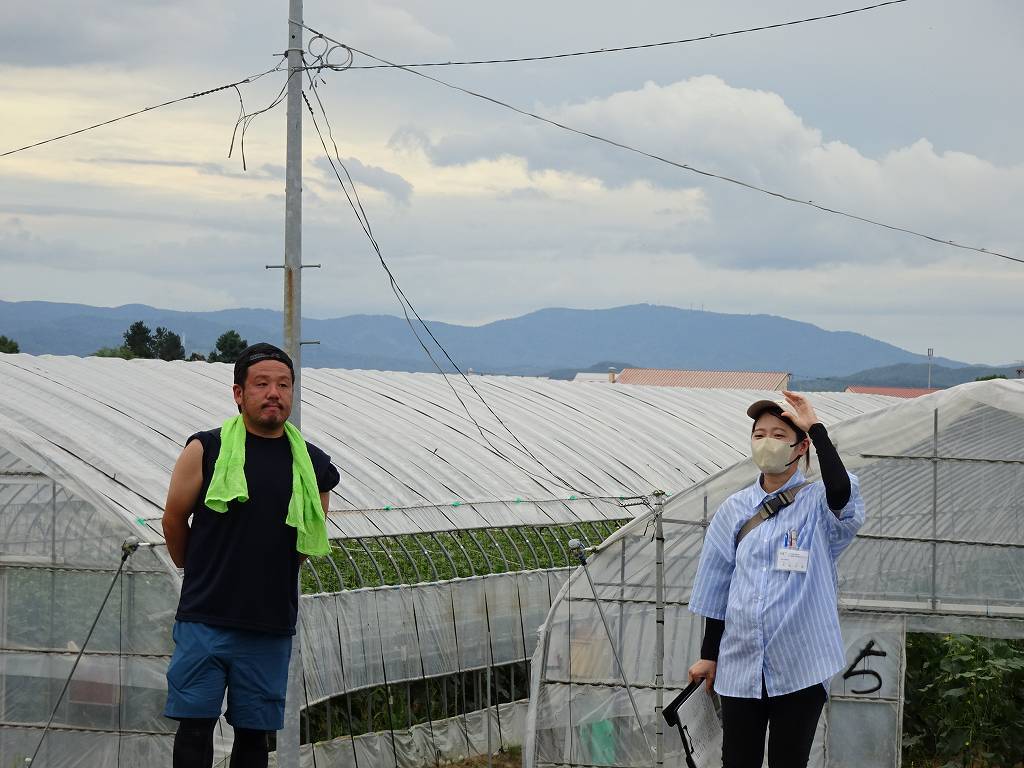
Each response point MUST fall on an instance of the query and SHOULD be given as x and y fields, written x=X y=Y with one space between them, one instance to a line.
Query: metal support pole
x=490 y=677
x=622 y=592
x=935 y=506
x=490 y=670
x=53 y=580
x=581 y=553
x=128 y=548
x=659 y=619
x=288 y=737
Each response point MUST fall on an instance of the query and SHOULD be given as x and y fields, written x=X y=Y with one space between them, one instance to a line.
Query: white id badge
x=791 y=559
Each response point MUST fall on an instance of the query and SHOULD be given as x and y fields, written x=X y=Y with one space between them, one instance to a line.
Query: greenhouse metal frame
x=942 y=551
x=449 y=545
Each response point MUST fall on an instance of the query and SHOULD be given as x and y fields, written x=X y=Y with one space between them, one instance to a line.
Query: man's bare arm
x=186 y=482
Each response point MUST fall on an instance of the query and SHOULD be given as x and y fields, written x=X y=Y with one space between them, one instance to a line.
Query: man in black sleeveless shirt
x=239 y=597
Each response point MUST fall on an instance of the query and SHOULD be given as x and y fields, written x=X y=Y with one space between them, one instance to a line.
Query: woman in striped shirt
x=768 y=589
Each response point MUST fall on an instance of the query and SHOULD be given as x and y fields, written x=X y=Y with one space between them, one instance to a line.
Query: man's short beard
x=264 y=419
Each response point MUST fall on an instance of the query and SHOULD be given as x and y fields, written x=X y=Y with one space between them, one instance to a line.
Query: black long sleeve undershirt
x=837 y=495
x=713 y=629
x=833 y=473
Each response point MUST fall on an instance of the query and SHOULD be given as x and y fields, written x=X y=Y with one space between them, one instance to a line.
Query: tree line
x=139 y=341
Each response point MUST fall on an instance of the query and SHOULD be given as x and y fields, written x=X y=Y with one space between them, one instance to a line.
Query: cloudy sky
x=909 y=114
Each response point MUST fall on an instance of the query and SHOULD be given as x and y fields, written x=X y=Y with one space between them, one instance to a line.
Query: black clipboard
x=697 y=722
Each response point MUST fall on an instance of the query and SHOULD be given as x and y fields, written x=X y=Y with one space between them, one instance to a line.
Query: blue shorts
x=252 y=666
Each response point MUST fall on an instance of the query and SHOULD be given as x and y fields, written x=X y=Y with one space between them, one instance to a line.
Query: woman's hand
x=800 y=411
x=704 y=670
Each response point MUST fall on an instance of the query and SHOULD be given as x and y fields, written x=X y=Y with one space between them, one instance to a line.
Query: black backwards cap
x=257 y=353
x=770 y=406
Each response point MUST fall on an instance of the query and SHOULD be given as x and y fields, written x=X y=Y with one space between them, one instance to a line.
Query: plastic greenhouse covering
x=942 y=550
x=86 y=451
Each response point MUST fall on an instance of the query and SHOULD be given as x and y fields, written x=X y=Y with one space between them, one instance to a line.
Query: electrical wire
x=674 y=163
x=250 y=79
x=623 y=48
x=360 y=212
x=407 y=307
x=246 y=119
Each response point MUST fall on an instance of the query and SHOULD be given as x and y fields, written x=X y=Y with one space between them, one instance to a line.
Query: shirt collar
x=757 y=492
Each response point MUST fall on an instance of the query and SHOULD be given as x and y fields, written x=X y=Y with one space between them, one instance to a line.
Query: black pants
x=193 y=745
x=793 y=719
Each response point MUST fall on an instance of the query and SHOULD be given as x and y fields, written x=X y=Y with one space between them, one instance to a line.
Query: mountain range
x=548 y=341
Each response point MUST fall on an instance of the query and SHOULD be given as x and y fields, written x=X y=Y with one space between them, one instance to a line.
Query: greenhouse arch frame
x=446 y=555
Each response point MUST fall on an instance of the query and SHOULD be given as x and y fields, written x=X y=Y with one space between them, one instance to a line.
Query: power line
x=245 y=119
x=250 y=79
x=622 y=48
x=360 y=212
x=674 y=163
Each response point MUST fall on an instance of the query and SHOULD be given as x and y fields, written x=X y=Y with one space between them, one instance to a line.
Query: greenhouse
x=942 y=551
x=450 y=534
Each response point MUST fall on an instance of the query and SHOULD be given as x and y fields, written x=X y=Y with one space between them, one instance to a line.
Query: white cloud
x=509 y=215
x=755 y=137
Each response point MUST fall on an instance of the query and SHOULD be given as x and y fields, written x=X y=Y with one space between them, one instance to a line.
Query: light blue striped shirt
x=782 y=624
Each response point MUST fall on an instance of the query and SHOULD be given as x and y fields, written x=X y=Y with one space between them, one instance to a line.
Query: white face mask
x=772 y=455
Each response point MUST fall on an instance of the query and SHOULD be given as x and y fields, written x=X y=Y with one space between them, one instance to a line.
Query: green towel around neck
x=305 y=512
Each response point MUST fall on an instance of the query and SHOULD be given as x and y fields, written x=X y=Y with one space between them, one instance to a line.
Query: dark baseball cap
x=257 y=353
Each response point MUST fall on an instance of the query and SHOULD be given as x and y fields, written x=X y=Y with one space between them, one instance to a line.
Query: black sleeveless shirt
x=241 y=566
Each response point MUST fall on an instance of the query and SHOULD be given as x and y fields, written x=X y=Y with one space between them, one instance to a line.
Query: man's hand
x=800 y=410
x=704 y=670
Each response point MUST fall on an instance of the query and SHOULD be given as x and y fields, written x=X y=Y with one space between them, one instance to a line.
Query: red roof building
x=660 y=377
x=893 y=391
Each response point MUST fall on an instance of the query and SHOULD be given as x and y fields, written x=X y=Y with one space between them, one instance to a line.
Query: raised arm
x=186 y=482
x=833 y=473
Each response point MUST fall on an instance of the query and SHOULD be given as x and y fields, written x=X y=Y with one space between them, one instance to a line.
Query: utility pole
x=288 y=738
x=293 y=206
x=931 y=354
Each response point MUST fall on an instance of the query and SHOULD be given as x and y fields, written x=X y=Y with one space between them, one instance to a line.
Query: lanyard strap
x=769 y=508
